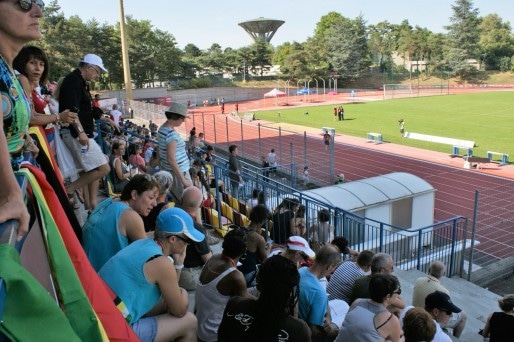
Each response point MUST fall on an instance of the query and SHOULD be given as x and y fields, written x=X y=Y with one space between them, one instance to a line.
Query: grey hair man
x=382 y=263
x=431 y=283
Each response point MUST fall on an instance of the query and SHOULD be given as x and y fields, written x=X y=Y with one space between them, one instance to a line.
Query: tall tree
x=463 y=37
x=496 y=42
x=348 y=51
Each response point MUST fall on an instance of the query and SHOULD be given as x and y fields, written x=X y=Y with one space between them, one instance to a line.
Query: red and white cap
x=297 y=243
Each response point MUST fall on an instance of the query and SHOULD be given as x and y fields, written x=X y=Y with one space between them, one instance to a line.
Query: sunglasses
x=26 y=5
x=399 y=291
x=186 y=240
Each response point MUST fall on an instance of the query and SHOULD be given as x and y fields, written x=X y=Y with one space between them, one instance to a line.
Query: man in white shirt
x=272 y=160
x=440 y=307
x=116 y=114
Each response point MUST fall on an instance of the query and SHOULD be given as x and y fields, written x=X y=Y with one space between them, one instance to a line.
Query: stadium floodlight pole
x=125 y=57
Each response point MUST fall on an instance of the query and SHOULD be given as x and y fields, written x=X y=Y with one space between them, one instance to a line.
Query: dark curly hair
x=234 y=243
x=278 y=282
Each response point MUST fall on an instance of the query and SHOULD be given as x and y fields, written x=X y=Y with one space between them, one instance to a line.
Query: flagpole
x=125 y=56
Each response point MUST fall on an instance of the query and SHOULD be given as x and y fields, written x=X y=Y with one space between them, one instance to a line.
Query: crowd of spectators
x=148 y=242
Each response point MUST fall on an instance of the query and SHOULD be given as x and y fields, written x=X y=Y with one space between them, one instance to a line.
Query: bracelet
x=179 y=267
x=58 y=117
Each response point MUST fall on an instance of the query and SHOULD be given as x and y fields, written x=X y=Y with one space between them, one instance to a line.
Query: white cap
x=94 y=60
x=297 y=243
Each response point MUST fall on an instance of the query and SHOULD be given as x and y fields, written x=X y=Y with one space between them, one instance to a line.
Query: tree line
x=343 y=47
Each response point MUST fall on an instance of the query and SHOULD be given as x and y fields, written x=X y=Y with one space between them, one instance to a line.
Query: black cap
x=440 y=300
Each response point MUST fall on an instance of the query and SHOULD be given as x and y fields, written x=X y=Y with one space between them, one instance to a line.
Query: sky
x=204 y=22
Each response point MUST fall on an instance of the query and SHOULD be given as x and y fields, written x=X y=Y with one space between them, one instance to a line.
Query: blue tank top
x=100 y=235
x=124 y=275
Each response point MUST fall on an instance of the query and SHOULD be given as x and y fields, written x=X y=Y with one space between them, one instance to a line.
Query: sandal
x=73 y=201
x=78 y=192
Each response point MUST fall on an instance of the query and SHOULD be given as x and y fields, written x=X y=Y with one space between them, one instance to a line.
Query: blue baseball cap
x=176 y=221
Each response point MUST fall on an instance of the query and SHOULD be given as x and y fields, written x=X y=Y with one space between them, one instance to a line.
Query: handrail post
x=381 y=248
x=418 y=257
x=452 y=253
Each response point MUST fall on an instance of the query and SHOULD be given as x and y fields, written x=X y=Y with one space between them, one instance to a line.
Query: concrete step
x=475 y=300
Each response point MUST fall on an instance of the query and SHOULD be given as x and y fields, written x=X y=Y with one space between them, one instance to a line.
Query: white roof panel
x=368 y=192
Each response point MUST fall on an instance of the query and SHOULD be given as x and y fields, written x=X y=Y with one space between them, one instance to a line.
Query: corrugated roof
x=369 y=192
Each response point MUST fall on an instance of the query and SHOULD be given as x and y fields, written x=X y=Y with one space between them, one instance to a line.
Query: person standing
x=172 y=150
x=326 y=140
x=116 y=114
x=79 y=137
x=234 y=167
x=19 y=24
x=272 y=160
x=401 y=123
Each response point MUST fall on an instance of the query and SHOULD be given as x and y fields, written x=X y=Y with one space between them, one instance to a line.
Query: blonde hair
x=506 y=303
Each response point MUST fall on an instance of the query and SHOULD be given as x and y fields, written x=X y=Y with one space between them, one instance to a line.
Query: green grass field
x=486 y=118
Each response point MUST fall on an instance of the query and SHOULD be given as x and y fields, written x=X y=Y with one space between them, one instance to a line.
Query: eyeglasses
x=26 y=5
x=399 y=291
x=96 y=70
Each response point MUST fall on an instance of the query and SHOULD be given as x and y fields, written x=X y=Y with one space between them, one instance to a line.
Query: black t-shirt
x=238 y=318
x=74 y=95
x=195 y=250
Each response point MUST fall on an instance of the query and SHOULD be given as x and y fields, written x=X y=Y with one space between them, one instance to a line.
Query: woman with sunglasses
x=369 y=319
x=116 y=222
x=19 y=24
x=271 y=316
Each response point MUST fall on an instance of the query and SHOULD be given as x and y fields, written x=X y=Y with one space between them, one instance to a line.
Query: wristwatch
x=80 y=129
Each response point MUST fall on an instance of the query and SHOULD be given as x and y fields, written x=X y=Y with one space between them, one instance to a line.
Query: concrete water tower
x=261 y=28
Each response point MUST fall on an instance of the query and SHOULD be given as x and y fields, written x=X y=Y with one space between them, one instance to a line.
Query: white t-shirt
x=116 y=114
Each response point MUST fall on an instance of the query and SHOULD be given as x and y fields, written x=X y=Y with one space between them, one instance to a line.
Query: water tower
x=261 y=28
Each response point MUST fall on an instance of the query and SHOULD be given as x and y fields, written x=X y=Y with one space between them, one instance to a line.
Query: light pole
x=125 y=56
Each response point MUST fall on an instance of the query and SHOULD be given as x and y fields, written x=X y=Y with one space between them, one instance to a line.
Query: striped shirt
x=341 y=282
x=165 y=136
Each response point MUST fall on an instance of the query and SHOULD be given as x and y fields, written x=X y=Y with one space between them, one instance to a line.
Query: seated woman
x=219 y=281
x=257 y=250
x=270 y=317
x=165 y=180
x=120 y=172
x=500 y=325
x=117 y=221
x=145 y=276
x=135 y=159
x=369 y=318
x=323 y=231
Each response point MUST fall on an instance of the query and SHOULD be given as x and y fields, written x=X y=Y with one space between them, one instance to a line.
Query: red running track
x=455 y=186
